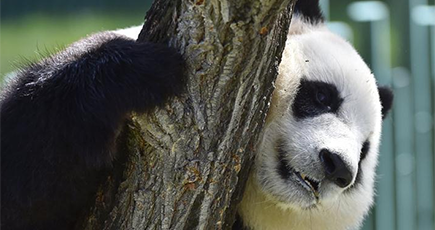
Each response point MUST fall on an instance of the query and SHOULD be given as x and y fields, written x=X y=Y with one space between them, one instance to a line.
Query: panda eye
x=315 y=98
x=323 y=98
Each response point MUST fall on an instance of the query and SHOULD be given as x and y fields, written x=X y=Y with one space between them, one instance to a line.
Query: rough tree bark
x=187 y=163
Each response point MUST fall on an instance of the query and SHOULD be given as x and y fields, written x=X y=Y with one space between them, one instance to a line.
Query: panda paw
x=160 y=76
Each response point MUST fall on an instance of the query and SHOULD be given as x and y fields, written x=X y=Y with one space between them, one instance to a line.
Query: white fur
x=131 y=32
x=314 y=53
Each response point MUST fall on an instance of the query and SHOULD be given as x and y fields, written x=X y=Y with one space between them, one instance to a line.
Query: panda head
x=320 y=145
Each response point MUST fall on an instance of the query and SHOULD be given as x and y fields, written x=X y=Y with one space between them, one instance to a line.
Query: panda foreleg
x=60 y=119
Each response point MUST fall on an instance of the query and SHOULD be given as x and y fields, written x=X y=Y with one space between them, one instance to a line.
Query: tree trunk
x=186 y=164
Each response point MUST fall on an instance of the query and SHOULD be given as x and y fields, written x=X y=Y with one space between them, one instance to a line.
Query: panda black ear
x=310 y=9
x=386 y=95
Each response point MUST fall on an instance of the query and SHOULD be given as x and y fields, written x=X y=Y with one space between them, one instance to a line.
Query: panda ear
x=386 y=95
x=310 y=9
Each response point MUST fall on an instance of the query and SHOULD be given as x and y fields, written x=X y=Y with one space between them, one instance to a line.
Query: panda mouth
x=312 y=184
x=285 y=170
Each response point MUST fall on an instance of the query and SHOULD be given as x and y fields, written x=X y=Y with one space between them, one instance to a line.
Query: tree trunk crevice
x=187 y=162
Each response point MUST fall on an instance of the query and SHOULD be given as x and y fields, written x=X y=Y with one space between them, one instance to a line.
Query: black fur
x=284 y=169
x=60 y=119
x=364 y=150
x=238 y=224
x=386 y=95
x=310 y=9
x=315 y=98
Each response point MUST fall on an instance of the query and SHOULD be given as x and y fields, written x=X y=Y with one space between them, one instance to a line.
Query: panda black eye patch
x=315 y=98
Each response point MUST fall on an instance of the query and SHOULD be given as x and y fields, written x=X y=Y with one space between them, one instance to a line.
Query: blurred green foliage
x=29 y=37
x=31 y=29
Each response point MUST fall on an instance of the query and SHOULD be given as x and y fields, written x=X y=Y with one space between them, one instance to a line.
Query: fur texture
x=61 y=116
x=326 y=99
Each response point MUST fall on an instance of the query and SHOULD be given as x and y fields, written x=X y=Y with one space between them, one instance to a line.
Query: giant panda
x=316 y=160
x=315 y=165
x=60 y=118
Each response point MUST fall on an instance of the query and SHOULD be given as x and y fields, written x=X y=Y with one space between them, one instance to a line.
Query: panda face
x=319 y=148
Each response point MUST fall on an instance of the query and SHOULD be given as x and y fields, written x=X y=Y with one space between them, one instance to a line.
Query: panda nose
x=335 y=168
